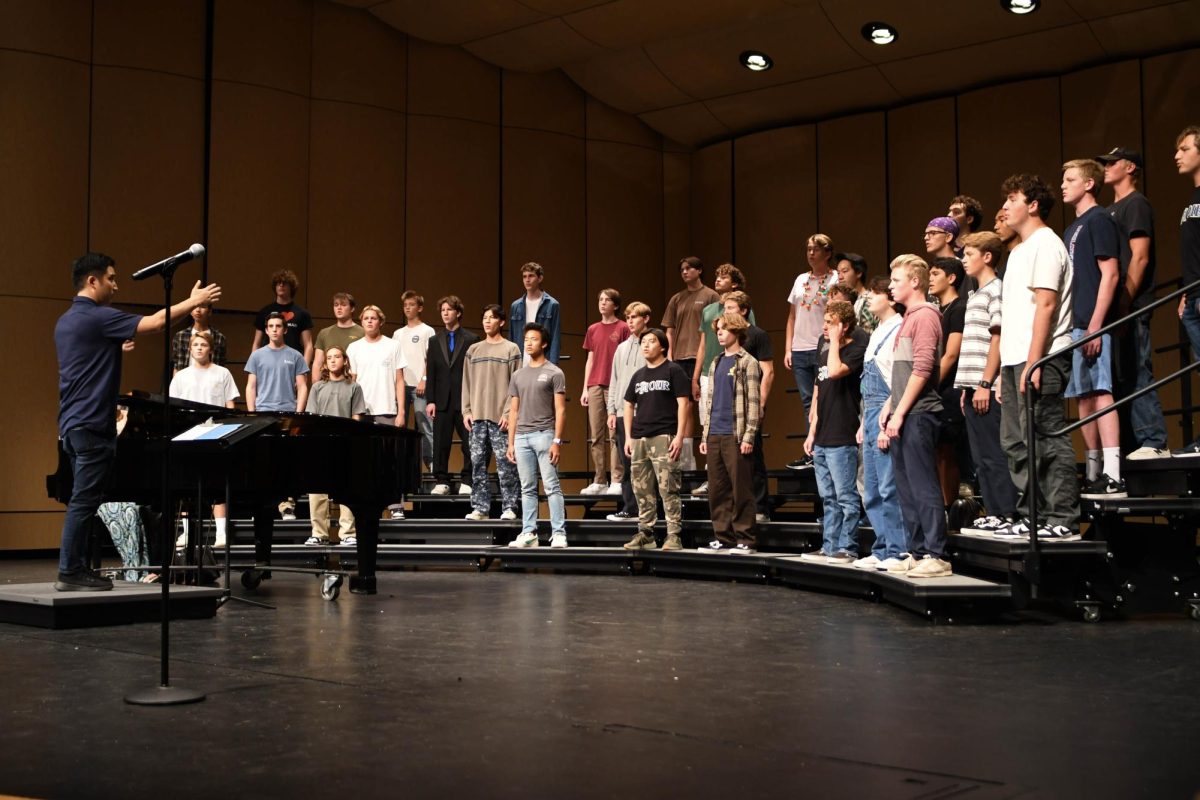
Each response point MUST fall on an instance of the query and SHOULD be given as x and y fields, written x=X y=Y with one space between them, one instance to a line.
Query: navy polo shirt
x=88 y=339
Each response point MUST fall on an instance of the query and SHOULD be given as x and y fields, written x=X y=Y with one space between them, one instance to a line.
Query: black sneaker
x=82 y=581
x=1104 y=488
x=804 y=462
x=1189 y=451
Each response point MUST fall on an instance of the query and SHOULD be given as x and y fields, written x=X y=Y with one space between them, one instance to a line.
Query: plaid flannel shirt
x=747 y=378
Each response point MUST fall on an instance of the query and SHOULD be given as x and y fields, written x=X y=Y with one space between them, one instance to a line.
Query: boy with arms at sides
x=336 y=395
x=681 y=321
x=536 y=305
x=297 y=322
x=978 y=376
x=275 y=382
x=413 y=338
x=730 y=422
x=601 y=342
x=489 y=368
x=1035 y=304
x=757 y=344
x=378 y=366
x=627 y=360
x=657 y=405
x=536 y=416
x=832 y=434
x=1093 y=244
x=205 y=382
x=1187 y=162
x=879 y=480
x=340 y=334
x=911 y=418
x=444 y=362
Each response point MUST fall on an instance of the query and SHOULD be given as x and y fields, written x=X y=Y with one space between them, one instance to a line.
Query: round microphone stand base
x=164 y=696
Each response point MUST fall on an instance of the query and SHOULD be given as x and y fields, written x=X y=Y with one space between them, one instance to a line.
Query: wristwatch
x=985 y=384
x=556 y=441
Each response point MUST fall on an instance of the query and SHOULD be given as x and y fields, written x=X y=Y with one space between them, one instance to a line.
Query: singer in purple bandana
x=90 y=338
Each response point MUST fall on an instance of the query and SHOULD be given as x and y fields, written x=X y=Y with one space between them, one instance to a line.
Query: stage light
x=755 y=61
x=879 y=33
x=1021 y=6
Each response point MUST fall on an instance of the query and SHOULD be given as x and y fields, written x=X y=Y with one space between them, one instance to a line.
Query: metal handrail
x=1032 y=489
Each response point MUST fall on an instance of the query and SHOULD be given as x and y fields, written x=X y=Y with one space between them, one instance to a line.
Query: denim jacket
x=547 y=317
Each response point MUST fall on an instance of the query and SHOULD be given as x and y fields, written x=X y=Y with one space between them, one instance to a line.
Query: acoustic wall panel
x=851 y=166
x=356 y=206
x=447 y=81
x=677 y=224
x=547 y=101
x=921 y=174
x=62 y=28
x=265 y=43
x=151 y=35
x=1101 y=109
x=711 y=210
x=357 y=58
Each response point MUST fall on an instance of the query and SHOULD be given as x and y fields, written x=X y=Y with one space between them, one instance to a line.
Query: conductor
x=89 y=339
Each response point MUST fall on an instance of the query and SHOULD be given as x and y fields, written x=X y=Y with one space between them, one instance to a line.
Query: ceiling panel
x=627 y=80
x=633 y=23
x=1161 y=28
x=455 y=21
x=535 y=48
x=689 y=123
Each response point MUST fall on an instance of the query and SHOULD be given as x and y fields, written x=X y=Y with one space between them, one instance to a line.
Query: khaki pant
x=652 y=468
x=604 y=449
x=318 y=511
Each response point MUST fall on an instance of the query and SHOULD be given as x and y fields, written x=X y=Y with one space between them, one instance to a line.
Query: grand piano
x=279 y=455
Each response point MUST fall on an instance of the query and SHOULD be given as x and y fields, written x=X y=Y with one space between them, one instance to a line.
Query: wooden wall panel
x=677 y=223
x=453 y=205
x=775 y=190
x=258 y=202
x=922 y=173
x=1006 y=129
x=44 y=167
x=1101 y=109
x=545 y=217
x=608 y=124
x=450 y=82
x=711 y=210
x=62 y=28
x=548 y=101
x=266 y=43
x=31 y=531
x=851 y=165
x=356 y=58
x=151 y=35
x=147 y=191
x=356 y=206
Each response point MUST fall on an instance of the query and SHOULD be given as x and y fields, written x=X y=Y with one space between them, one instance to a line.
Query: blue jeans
x=423 y=422
x=837 y=481
x=1145 y=413
x=533 y=457
x=1191 y=324
x=92 y=455
x=804 y=370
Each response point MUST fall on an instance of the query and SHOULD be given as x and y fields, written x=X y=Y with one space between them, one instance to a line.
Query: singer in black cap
x=90 y=338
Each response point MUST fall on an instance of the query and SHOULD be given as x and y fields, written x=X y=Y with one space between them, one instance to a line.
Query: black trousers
x=445 y=425
x=761 y=504
x=914 y=461
x=628 y=502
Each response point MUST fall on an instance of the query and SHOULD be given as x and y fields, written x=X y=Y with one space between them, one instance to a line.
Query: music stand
x=164 y=694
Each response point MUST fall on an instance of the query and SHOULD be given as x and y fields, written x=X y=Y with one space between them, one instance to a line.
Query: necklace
x=817 y=294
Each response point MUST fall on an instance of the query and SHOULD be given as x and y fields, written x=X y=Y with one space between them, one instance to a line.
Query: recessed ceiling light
x=1021 y=6
x=879 y=33
x=756 y=61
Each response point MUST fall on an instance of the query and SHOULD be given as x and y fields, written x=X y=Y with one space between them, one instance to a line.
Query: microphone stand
x=164 y=694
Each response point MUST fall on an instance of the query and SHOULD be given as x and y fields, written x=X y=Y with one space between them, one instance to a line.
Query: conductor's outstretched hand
x=206 y=294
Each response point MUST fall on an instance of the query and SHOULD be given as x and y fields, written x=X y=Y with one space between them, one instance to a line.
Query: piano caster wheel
x=331 y=586
x=364 y=585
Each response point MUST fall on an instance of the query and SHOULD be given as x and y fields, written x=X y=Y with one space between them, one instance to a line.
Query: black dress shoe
x=82 y=581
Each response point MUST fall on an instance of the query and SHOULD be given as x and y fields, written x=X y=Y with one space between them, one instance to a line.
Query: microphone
x=169 y=264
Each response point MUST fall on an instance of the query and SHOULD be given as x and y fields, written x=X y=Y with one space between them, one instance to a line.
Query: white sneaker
x=701 y=489
x=464 y=488
x=509 y=514
x=315 y=541
x=476 y=516
x=441 y=488
x=1147 y=453
x=288 y=516
x=594 y=488
x=525 y=539
x=869 y=562
x=558 y=540
x=181 y=542
x=717 y=546
x=219 y=543
x=348 y=541
x=887 y=564
x=613 y=488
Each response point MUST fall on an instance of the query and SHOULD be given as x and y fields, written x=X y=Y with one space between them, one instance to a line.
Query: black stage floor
x=457 y=684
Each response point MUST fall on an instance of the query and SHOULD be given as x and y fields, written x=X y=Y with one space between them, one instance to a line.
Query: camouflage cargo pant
x=653 y=472
x=488 y=440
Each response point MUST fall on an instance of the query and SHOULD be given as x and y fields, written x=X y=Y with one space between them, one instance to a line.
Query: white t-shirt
x=414 y=343
x=213 y=385
x=375 y=365
x=809 y=296
x=1039 y=262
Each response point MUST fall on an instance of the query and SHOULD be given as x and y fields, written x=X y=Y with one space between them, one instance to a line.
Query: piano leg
x=366 y=520
x=264 y=531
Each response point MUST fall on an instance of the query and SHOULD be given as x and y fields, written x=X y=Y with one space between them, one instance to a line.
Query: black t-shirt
x=654 y=392
x=954 y=317
x=1135 y=219
x=298 y=320
x=838 y=399
x=1189 y=242
x=758 y=344
x=1092 y=236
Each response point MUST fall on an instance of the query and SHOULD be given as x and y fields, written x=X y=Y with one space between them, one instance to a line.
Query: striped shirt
x=981 y=321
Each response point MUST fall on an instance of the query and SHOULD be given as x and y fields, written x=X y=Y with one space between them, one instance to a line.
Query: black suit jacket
x=444 y=372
